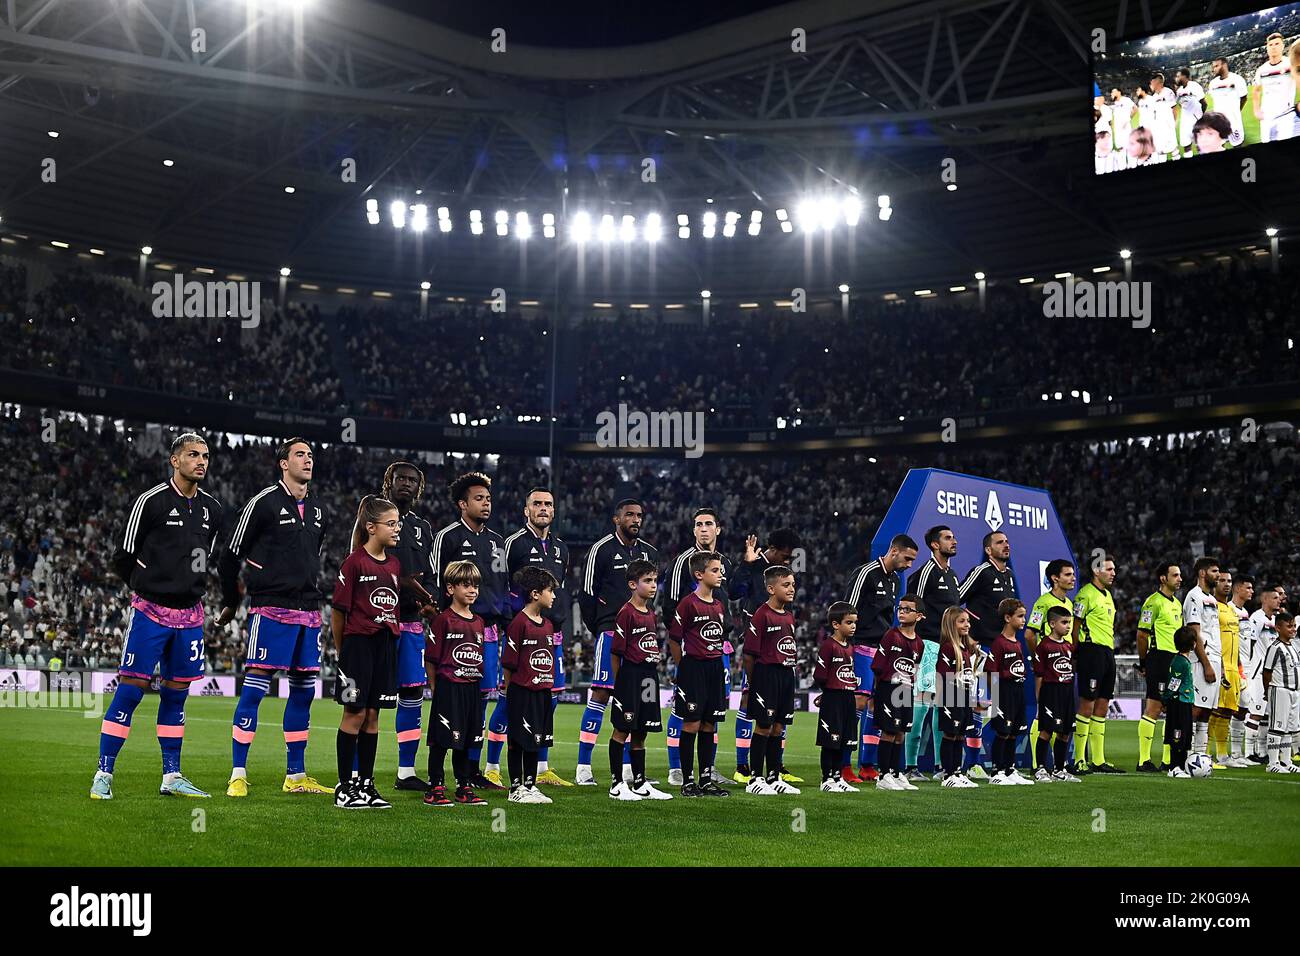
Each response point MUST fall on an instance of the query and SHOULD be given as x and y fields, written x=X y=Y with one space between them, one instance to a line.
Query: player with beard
x=706 y=529
x=163 y=556
x=1201 y=614
x=1191 y=106
x=536 y=545
x=603 y=594
x=403 y=486
x=470 y=539
x=280 y=536
x=936 y=584
x=1159 y=620
x=1227 y=95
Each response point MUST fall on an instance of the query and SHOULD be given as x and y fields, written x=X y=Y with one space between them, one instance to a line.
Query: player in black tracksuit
x=163 y=556
x=278 y=542
x=986 y=586
x=937 y=586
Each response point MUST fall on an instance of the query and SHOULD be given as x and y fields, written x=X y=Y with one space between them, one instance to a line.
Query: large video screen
x=1221 y=86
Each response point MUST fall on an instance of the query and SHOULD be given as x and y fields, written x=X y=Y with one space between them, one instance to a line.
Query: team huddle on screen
x=470 y=616
x=1176 y=123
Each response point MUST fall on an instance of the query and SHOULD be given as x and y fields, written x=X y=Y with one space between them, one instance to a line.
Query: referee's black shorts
x=1157 y=668
x=1094 y=668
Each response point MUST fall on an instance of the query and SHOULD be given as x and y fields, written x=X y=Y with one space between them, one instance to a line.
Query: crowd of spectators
x=762 y=368
x=62 y=503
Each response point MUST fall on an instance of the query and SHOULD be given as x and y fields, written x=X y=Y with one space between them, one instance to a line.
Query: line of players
x=1172 y=122
x=169 y=541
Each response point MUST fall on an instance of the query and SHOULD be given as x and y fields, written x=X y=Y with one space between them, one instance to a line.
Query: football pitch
x=47 y=759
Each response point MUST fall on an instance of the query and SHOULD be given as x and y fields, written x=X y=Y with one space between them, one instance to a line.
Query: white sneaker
x=976 y=772
x=1293 y=768
x=583 y=776
x=780 y=786
x=518 y=795
x=967 y=782
x=845 y=787
x=760 y=788
x=648 y=792
x=1239 y=763
x=1042 y=775
x=1022 y=778
x=1001 y=779
x=1064 y=776
x=938 y=776
x=829 y=786
x=886 y=781
x=720 y=780
x=675 y=777
x=535 y=795
x=903 y=782
x=621 y=791
x=953 y=783
x=1179 y=772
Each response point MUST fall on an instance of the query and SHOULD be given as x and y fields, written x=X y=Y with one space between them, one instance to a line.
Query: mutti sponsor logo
x=787 y=646
x=540 y=660
x=1063 y=666
x=1018 y=514
x=76 y=909
x=847 y=675
x=905 y=667
x=467 y=655
x=385 y=599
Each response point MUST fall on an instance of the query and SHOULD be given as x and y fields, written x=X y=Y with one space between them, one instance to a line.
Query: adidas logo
x=468 y=543
x=283 y=511
x=211 y=689
x=174 y=514
x=12 y=681
x=110 y=687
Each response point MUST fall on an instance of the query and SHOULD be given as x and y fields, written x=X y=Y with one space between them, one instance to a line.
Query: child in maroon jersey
x=695 y=638
x=895 y=666
x=1006 y=672
x=1054 y=690
x=634 y=668
x=528 y=674
x=365 y=627
x=453 y=662
x=837 y=711
x=954 y=676
x=770 y=659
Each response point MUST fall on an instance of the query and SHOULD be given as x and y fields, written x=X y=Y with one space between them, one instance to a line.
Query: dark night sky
x=580 y=23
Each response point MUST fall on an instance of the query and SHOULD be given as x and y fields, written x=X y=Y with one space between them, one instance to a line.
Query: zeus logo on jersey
x=75 y=909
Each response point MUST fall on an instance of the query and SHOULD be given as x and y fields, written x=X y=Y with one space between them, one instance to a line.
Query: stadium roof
x=886 y=92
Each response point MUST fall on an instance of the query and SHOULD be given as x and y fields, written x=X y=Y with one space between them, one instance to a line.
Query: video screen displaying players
x=1220 y=86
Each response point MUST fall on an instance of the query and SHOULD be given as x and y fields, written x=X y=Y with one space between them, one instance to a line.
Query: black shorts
x=1178 y=722
x=1094 y=667
x=956 y=721
x=1008 y=715
x=1056 y=709
x=634 y=704
x=701 y=692
x=1157 y=668
x=530 y=718
x=771 y=695
x=837 y=719
x=454 y=721
x=367 y=672
x=893 y=708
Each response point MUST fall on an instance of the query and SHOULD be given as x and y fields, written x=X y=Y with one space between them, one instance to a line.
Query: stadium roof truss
x=282 y=94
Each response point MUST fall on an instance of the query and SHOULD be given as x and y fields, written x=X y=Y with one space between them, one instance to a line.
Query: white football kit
x=1276 y=102
x=1189 y=102
x=1122 y=117
x=1225 y=98
x=1201 y=608
x=1156 y=113
x=1256 y=635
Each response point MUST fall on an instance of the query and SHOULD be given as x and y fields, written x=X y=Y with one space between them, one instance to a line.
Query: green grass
x=47 y=758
